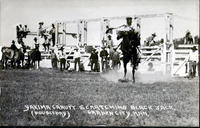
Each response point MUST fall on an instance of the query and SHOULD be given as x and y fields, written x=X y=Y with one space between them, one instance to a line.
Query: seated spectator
x=41 y=31
x=46 y=44
x=17 y=30
x=26 y=31
x=21 y=31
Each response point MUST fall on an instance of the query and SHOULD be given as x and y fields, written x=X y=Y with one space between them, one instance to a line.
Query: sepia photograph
x=124 y=63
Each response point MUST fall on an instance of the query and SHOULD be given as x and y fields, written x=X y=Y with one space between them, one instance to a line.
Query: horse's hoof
x=123 y=80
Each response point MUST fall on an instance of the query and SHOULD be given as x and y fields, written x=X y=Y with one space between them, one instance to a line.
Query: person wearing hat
x=36 y=43
x=129 y=21
x=13 y=46
x=94 y=60
x=77 y=57
x=192 y=60
x=53 y=34
x=104 y=59
x=15 y=49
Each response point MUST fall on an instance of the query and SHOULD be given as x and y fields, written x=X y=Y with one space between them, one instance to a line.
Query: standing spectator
x=94 y=60
x=36 y=43
x=115 y=59
x=53 y=34
x=13 y=46
x=62 y=60
x=77 y=57
x=104 y=59
x=192 y=59
x=54 y=60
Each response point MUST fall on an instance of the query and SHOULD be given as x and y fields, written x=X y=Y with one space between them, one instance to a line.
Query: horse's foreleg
x=125 y=70
x=38 y=64
x=6 y=64
x=2 y=61
x=133 y=73
x=22 y=63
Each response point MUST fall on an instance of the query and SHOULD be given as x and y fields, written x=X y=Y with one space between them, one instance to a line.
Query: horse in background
x=34 y=56
x=15 y=57
x=129 y=48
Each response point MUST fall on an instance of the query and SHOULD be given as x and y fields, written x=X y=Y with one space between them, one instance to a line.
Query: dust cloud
x=145 y=77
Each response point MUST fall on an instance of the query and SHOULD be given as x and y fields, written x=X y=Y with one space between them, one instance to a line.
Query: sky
x=31 y=12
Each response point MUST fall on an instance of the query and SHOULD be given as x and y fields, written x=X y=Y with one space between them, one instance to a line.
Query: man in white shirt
x=193 y=60
x=62 y=60
x=77 y=57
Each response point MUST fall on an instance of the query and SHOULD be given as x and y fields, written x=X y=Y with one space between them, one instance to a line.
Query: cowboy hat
x=103 y=47
x=35 y=39
x=128 y=18
x=41 y=23
x=154 y=34
x=76 y=48
x=62 y=48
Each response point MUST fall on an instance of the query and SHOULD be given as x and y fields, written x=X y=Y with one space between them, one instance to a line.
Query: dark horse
x=129 y=48
x=15 y=57
x=34 y=56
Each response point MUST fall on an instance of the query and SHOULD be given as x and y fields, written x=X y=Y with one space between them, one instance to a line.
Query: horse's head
x=5 y=49
x=7 y=52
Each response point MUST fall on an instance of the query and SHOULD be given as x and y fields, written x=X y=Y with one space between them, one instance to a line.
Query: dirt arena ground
x=174 y=102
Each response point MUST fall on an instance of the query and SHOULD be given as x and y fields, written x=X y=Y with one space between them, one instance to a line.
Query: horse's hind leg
x=38 y=64
x=6 y=64
x=133 y=73
x=22 y=63
x=125 y=69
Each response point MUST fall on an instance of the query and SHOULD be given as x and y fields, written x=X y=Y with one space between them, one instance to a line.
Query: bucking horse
x=129 y=47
